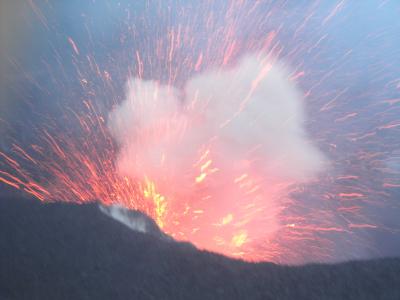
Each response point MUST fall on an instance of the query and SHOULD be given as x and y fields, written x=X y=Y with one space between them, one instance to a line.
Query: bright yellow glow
x=227 y=219
x=201 y=177
x=239 y=239
x=160 y=204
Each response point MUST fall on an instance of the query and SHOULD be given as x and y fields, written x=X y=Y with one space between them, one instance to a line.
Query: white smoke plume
x=135 y=220
x=249 y=117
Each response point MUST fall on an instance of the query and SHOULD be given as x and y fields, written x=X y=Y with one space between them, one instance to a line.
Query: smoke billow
x=228 y=133
x=133 y=219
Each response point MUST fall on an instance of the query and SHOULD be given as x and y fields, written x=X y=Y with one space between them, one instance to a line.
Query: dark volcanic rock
x=64 y=251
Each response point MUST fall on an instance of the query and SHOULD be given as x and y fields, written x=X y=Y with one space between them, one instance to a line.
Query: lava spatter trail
x=262 y=130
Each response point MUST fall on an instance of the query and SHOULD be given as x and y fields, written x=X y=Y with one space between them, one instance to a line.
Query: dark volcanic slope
x=61 y=251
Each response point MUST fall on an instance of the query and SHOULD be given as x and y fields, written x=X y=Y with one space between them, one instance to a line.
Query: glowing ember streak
x=71 y=41
x=9 y=182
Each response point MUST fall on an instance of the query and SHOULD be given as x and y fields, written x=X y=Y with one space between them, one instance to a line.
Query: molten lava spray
x=220 y=151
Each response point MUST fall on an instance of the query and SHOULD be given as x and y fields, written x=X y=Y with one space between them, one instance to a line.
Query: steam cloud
x=135 y=220
x=251 y=116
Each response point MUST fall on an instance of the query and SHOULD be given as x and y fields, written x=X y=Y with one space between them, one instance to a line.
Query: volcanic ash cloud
x=228 y=133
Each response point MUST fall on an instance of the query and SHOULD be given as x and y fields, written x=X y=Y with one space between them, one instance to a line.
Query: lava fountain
x=219 y=153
